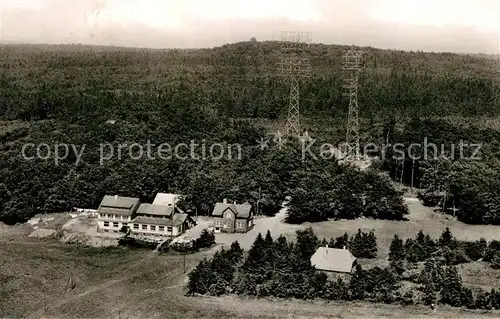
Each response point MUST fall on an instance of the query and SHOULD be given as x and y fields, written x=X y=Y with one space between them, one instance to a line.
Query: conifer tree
x=337 y=290
x=483 y=300
x=317 y=285
x=430 y=244
x=447 y=239
x=222 y=267
x=467 y=299
x=398 y=266
x=452 y=287
x=429 y=291
x=358 y=283
x=396 y=251
x=256 y=257
x=407 y=299
x=371 y=245
x=201 y=278
x=494 y=299
x=235 y=253
x=268 y=240
x=421 y=238
x=356 y=244
x=415 y=252
x=341 y=242
x=306 y=243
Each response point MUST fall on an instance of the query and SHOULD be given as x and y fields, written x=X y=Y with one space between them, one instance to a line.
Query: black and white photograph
x=249 y=159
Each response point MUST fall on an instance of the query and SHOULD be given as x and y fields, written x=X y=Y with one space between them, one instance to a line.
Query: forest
x=230 y=94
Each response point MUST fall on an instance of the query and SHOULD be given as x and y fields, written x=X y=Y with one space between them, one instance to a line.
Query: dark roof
x=118 y=205
x=177 y=220
x=333 y=259
x=239 y=210
x=157 y=210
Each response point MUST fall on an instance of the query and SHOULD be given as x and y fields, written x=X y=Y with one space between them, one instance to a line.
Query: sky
x=428 y=25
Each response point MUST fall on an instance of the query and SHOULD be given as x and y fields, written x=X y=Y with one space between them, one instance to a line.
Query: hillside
x=239 y=80
x=228 y=95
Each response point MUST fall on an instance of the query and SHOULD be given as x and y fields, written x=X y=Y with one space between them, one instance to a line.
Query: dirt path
x=93 y=289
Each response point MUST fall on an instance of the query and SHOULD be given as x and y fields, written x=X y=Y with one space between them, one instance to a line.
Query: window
x=136 y=226
x=124 y=224
x=106 y=224
x=240 y=224
x=228 y=215
x=152 y=227
x=169 y=228
x=115 y=224
x=161 y=228
x=144 y=227
x=217 y=222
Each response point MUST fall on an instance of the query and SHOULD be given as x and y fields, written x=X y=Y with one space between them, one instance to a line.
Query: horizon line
x=132 y=47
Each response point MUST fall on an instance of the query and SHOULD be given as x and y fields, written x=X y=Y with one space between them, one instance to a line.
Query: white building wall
x=157 y=234
x=111 y=219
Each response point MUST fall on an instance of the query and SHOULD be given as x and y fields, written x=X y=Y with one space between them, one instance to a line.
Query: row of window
x=153 y=227
x=113 y=216
x=115 y=224
x=143 y=227
x=239 y=223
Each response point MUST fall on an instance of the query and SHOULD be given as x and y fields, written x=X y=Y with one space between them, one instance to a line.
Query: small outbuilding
x=334 y=260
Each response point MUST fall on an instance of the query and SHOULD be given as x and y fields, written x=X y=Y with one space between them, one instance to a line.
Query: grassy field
x=121 y=283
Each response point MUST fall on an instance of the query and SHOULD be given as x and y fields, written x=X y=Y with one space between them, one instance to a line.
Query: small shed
x=334 y=260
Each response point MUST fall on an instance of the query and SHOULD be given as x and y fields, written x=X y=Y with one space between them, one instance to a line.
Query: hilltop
x=239 y=80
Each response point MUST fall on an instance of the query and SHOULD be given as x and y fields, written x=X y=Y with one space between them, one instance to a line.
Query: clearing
x=119 y=283
x=114 y=282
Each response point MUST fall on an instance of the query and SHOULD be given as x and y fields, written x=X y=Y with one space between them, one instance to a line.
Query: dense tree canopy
x=230 y=95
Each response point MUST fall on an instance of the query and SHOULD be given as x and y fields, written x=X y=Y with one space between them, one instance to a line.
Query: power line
x=294 y=67
x=351 y=67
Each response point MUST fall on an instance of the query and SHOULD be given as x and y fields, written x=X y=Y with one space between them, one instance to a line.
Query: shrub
x=206 y=240
x=407 y=298
x=136 y=243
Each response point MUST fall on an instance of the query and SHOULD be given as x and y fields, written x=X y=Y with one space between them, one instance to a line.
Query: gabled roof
x=157 y=210
x=239 y=210
x=166 y=199
x=333 y=259
x=118 y=205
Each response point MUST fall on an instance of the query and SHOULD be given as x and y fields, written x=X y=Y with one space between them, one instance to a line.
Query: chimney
x=326 y=246
x=224 y=200
x=344 y=247
x=116 y=196
x=234 y=202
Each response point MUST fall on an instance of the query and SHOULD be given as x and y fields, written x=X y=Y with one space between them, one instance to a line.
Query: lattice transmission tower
x=351 y=67
x=294 y=67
